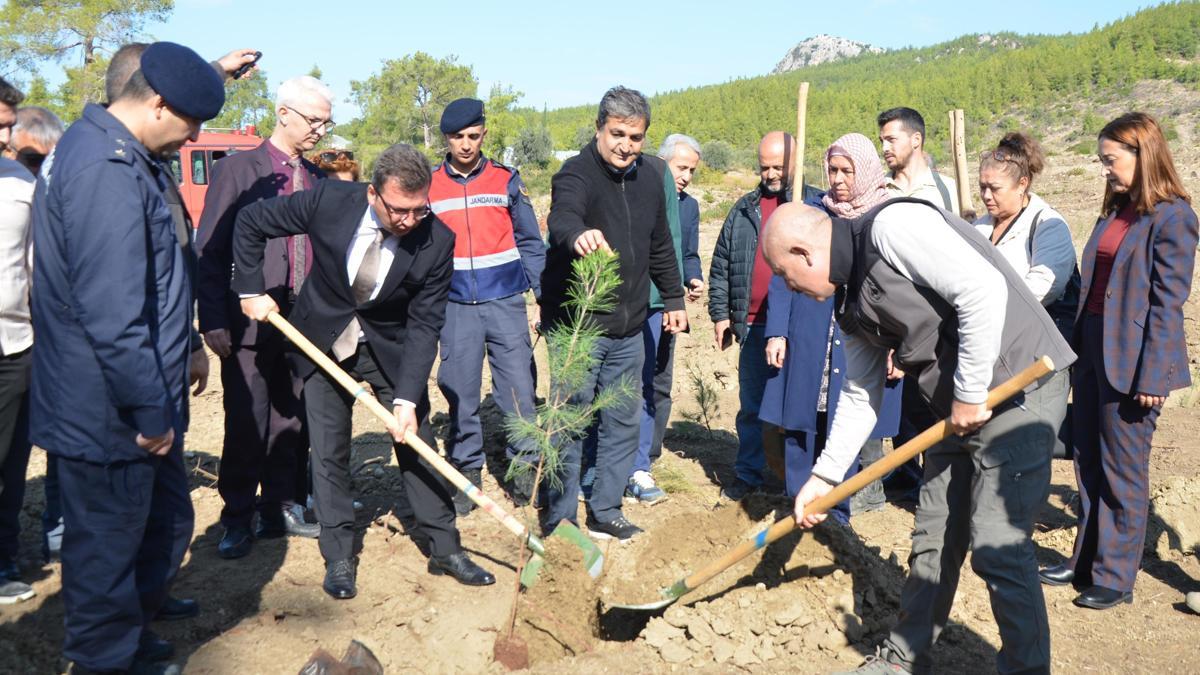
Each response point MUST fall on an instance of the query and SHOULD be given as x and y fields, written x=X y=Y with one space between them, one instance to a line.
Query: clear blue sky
x=567 y=53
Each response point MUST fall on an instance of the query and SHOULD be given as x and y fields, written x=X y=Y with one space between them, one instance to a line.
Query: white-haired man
x=265 y=442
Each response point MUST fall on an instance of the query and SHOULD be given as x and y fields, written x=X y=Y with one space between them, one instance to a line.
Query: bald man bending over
x=910 y=277
x=737 y=299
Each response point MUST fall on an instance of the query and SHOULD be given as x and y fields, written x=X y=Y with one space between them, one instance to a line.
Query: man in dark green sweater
x=611 y=197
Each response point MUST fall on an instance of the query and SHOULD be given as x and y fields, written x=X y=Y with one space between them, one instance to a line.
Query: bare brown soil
x=808 y=604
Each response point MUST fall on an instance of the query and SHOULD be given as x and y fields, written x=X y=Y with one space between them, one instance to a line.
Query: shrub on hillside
x=718 y=155
x=533 y=147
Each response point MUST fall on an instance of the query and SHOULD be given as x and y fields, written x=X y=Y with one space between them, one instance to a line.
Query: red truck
x=193 y=163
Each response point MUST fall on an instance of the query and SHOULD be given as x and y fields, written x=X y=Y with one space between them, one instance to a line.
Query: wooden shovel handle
x=439 y=464
x=922 y=442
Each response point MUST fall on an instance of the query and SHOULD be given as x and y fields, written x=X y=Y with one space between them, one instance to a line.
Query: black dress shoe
x=1059 y=575
x=175 y=609
x=1099 y=597
x=152 y=648
x=339 y=579
x=273 y=523
x=235 y=543
x=459 y=566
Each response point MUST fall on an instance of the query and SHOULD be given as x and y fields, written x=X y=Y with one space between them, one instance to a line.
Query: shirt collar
x=101 y=117
x=276 y=154
x=454 y=173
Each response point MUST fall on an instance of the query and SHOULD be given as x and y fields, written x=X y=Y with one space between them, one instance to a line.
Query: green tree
x=533 y=146
x=583 y=136
x=51 y=30
x=404 y=101
x=718 y=155
x=247 y=102
x=504 y=123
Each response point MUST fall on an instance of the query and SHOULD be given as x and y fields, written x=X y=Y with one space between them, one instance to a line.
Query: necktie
x=364 y=282
x=299 y=242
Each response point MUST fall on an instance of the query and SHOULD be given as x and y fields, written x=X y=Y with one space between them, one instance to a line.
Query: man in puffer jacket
x=737 y=299
x=610 y=196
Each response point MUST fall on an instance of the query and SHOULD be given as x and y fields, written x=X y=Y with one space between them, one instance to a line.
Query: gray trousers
x=981 y=493
x=500 y=329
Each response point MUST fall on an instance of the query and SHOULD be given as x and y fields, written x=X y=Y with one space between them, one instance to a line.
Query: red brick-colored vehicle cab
x=193 y=163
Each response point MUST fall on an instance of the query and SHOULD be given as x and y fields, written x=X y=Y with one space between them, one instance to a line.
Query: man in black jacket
x=375 y=300
x=611 y=197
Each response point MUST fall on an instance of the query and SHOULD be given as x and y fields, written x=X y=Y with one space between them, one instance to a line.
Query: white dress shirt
x=368 y=228
x=16 y=256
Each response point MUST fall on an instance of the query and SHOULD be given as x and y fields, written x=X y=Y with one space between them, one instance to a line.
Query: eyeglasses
x=314 y=123
x=999 y=156
x=416 y=214
x=331 y=156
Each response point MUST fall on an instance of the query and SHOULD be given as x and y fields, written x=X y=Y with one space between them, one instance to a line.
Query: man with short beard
x=610 y=197
x=265 y=441
x=737 y=299
x=112 y=312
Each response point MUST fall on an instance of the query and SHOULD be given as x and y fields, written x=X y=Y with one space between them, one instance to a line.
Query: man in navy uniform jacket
x=113 y=314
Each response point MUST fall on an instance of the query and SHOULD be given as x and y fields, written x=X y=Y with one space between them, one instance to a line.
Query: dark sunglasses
x=331 y=156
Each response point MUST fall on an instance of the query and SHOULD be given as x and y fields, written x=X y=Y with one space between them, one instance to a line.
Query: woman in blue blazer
x=804 y=343
x=1136 y=275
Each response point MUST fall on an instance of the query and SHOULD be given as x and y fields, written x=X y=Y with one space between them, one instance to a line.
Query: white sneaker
x=12 y=592
x=641 y=488
x=1192 y=600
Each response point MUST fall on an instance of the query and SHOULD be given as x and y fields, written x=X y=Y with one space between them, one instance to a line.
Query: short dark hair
x=910 y=120
x=623 y=103
x=10 y=95
x=125 y=61
x=404 y=164
x=136 y=88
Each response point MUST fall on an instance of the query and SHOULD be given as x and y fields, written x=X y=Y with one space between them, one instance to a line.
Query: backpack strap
x=943 y=190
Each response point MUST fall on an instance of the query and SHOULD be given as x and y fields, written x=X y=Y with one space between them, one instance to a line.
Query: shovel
x=1040 y=368
x=593 y=559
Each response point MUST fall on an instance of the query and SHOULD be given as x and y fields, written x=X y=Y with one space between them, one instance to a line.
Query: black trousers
x=329 y=409
x=14 y=446
x=265 y=440
x=128 y=525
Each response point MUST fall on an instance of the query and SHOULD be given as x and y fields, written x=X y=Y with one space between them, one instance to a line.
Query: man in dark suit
x=265 y=441
x=376 y=300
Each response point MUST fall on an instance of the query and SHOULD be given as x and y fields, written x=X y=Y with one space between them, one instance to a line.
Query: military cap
x=186 y=82
x=460 y=114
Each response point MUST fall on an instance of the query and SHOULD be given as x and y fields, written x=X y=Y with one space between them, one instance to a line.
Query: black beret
x=460 y=114
x=188 y=83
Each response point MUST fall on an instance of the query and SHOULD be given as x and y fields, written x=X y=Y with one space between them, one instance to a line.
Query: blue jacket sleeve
x=779 y=308
x=526 y=233
x=689 y=225
x=112 y=262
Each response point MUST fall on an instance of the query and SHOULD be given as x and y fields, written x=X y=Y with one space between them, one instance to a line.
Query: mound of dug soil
x=817 y=593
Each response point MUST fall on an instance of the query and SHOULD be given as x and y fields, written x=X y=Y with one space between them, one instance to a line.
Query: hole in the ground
x=623 y=625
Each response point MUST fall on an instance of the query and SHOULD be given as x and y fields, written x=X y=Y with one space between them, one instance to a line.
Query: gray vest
x=888 y=310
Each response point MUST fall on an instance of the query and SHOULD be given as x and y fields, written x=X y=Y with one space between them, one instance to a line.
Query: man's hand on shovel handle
x=813 y=490
x=259 y=307
x=405 y=421
x=967 y=417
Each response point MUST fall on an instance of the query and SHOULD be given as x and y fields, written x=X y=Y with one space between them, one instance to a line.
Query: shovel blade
x=593 y=558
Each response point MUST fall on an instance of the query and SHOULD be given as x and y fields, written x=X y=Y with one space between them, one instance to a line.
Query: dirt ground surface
x=808 y=604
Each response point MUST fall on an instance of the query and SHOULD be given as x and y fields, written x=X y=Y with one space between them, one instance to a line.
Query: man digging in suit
x=375 y=300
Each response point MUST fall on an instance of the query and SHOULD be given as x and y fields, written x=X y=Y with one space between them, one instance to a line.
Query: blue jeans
x=616 y=438
x=657 y=374
x=752 y=380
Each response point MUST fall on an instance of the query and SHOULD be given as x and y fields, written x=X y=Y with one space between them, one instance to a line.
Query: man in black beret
x=498 y=255
x=113 y=316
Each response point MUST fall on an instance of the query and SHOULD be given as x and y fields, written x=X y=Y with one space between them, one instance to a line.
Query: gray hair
x=623 y=104
x=666 y=151
x=404 y=164
x=292 y=91
x=43 y=126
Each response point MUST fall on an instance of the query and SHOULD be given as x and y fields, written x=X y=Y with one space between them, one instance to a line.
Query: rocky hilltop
x=822 y=49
